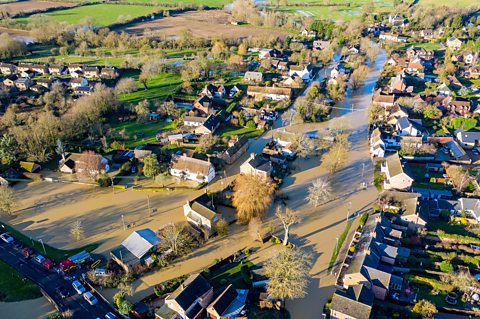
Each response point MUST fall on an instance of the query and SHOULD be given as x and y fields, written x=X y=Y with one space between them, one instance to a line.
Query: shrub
x=223 y=281
x=446 y=266
x=221 y=227
x=363 y=219
x=247 y=252
x=168 y=286
x=278 y=241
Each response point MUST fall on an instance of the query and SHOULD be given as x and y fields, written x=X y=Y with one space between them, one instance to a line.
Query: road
x=49 y=280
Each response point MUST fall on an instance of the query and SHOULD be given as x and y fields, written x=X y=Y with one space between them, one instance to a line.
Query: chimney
x=252 y=156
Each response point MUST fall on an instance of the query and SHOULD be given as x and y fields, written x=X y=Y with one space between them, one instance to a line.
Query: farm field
x=208 y=3
x=14 y=8
x=449 y=3
x=103 y=14
x=207 y=24
x=158 y=88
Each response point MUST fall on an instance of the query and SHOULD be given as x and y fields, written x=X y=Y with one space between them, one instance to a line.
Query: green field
x=13 y=287
x=104 y=14
x=239 y=131
x=208 y=3
x=149 y=129
x=158 y=88
x=450 y=3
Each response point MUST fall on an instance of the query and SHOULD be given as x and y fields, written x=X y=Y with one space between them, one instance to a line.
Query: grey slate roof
x=194 y=287
x=356 y=302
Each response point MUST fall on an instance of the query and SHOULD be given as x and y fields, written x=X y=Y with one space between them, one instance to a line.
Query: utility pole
x=123 y=222
x=43 y=245
x=113 y=188
x=148 y=203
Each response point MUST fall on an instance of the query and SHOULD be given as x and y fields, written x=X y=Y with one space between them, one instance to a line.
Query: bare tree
x=460 y=176
x=255 y=229
x=126 y=85
x=287 y=217
x=252 y=197
x=336 y=157
x=89 y=165
x=287 y=272
x=174 y=237
x=7 y=200
x=77 y=230
x=206 y=142
x=358 y=76
x=304 y=146
x=319 y=192
x=290 y=117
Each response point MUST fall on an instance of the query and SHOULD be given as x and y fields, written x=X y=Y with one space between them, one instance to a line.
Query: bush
x=446 y=266
x=363 y=219
x=251 y=124
x=168 y=286
x=278 y=241
x=221 y=227
x=247 y=252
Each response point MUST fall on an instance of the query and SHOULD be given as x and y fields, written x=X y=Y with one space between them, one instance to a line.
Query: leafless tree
x=358 y=76
x=287 y=217
x=287 y=272
x=290 y=117
x=76 y=230
x=319 y=192
x=252 y=197
x=255 y=229
x=336 y=157
x=7 y=200
x=174 y=237
x=89 y=165
x=126 y=85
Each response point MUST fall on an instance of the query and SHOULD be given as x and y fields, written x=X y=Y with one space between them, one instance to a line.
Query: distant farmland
x=33 y=5
x=104 y=14
x=209 y=3
x=450 y=3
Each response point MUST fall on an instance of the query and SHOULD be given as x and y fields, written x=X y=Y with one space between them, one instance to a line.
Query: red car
x=28 y=252
x=67 y=265
x=47 y=263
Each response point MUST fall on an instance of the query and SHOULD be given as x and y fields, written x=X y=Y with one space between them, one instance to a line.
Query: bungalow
x=253 y=77
x=78 y=82
x=395 y=176
x=192 y=169
x=405 y=127
x=304 y=71
x=69 y=166
x=257 y=165
x=7 y=68
x=454 y=43
x=272 y=93
x=57 y=69
x=211 y=91
x=110 y=72
x=136 y=249
x=188 y=301
x=235 y=150
x=392 y=37
x=91 y=71
x=203 y=105
x=75 y=67
x=467 y=140
x=229 y=303
x=201 y=212
x=23 y=84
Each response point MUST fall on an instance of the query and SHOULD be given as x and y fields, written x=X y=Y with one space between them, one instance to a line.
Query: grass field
x=149 y=129
x=208 y=3
x=240 y=131
x=52 y=253
x=104 y=14
x=450 y=3
x=158 y=88
x=13 y=287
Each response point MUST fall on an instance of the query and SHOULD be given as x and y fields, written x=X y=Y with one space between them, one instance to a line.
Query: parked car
x=39 y=259
x=7 y=238
x=475 y=152
x=62 y=292
x=110 y=316
x=47 y=263
x=79 y=288
x=90 y=298
x=28 y=252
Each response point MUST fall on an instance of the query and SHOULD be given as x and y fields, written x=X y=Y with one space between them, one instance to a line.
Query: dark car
x=62 y=292
x=28 y=252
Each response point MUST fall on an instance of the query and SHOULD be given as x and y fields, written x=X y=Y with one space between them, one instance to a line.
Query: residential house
x=458 y=153
x=418 y=52
x=209 y=126
x=23 y=84
x=398 y=84
x=188 y=301
x=201 y=212
x=46 y=83
x=467 y=140
x=395 y=175
x=385 y=100
x=234 y=150
x=109 y=72
x=416 y=66
x=354 y=49
x=30 y=167
x=253 y=77
x=203 y=105
x=229 y=303
x=212 y=91
x=405 y=205
x=393 y=113
x=39 y=68
x=10 y=80
x=68 y=167
x=304 y=71
x=392 y=37
x=7 y=68
x=57 y=69
x=91 y=72
x=444 y=89
x=39 y=89
x=78 y=82
x=136 y=249
x=426 y=34
x=396 y=20
x=269 y=54
x=192 y=169
x=75 y=67
x=454 y=44
x=27 y=74
x=353 y=303
x=473 y=72
x=257 y=165
x=380 y=143
x=308 y=33
x=406 y=127
x=84 y=90
x=77 y=74
x=234 y=89
x=456 y=106
x=23 y=67
x=271 y=93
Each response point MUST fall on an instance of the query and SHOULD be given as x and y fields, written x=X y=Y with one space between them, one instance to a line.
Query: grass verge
x=341 y=240
x=51 y=252
x=13 y=286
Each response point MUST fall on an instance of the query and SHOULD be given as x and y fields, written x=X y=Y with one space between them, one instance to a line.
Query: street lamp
x=43 y=245
x=348 y=209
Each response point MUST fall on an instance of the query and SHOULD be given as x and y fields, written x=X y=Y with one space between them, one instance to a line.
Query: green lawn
x=426 y=46
x=239 y=131
x=104 y=14
x=448 y=3
x=52 y=253
x=209 y=3
x=229 y=273
x=158 y=88
x=13 y=287
x=341 y=240
x=149 y=129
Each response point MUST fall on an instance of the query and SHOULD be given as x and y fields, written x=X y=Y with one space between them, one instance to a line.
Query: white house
x=303 y=71
x=395 y=176
x=443 y=89
x=406 y=128
x=201 y=212
x=192 y=169
x=78 y=82
x=467 y=140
